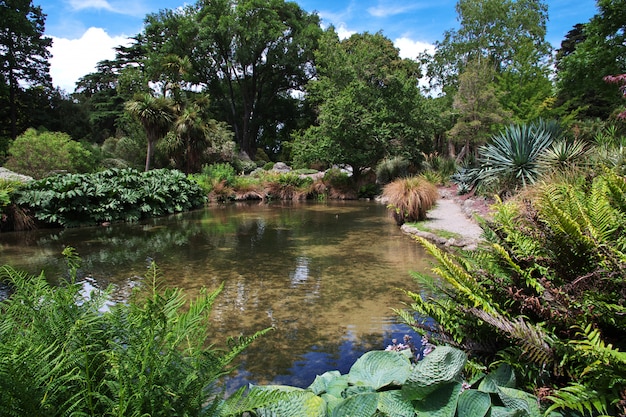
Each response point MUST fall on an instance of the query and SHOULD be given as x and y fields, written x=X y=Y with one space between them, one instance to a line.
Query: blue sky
x=86 y=31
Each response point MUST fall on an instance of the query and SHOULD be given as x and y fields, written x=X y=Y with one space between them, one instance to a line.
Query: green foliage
x=390 y=169
x=335 y=177
x=547 y=296
x=107 y=196
x=410 y=198
x=386 y=383
x=65 y=352
x=39 y=154
x=511 y=158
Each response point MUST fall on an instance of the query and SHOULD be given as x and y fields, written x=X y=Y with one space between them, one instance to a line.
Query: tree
x=24 y=50
x=585 y=58
x=252 y=55
x=368 y=103
x=156 y=115
x=494 y=30
x=478 y=107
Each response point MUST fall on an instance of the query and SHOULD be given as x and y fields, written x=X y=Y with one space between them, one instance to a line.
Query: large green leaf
x=440 y=403
x=380 y=368
x=362 y=405
x=299 y=403
x=322 y=382
x=473 y=403
x=393 y=404
x=515 y=399
x=501 y=377
x=442 y=365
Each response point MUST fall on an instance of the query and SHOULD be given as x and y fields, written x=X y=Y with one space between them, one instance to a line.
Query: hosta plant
x=387 y=383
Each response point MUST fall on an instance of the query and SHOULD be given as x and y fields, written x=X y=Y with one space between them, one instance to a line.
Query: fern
x=579 y=398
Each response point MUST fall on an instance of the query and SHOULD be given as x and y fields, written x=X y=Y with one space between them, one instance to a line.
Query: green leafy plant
x=39 y=154
x=545 y=296
x=387 y=383
x=389 y=169
x=64 y=352
x=410 y=198
x=107 y=196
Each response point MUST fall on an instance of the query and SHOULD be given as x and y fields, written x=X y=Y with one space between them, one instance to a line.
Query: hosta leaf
x=519 y=400
x=442 y=365
x=440 y=403
x=299 y=404
x=362 y=405
x=322 y=382
x=501 y=377
x=473 y=403
x=393 y=404
x=379 y=368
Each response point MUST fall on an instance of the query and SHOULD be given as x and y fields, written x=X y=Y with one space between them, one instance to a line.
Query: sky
x=85 y=32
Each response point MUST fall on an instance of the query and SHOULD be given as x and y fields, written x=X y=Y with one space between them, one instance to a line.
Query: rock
x=13 y=176
x=281 y=167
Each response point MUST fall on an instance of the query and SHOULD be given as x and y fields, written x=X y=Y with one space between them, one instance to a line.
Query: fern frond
x=531 y=338
x=531 y=281
x=458 y=277
x=593 y=345
x=580 y=398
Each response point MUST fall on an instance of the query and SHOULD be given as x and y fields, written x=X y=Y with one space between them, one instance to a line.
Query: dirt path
x=453 y=214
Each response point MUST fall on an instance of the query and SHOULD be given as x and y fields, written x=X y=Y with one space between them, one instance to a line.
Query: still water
x=324 y=275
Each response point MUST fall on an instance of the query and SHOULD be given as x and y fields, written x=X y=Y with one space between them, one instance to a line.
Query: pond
x=325 y=275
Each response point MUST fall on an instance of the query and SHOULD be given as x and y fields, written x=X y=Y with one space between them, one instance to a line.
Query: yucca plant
x=409 y=199
x=511 y=159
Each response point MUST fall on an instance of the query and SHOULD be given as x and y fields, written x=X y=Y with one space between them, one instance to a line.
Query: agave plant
x=511 y=159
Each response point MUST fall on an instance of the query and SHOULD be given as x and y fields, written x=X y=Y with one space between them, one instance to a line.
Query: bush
x=388 y=170
x=60 y=354
x=107 y=196
x=410 y=198
x=41 y=154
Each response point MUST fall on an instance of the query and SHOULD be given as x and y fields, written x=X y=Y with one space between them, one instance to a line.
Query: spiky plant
x=511 y=159
x=409 y=199
x=389 y=169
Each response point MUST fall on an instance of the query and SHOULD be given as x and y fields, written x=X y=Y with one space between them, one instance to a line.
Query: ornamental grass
x=410 y=198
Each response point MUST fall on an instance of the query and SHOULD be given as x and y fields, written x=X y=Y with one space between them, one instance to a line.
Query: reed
x=410 y=198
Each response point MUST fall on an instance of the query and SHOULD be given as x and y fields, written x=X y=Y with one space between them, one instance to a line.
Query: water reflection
x=324 y=275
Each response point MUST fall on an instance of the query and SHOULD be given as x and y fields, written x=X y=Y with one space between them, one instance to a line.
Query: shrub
x=268 y=166
x=388 y=170
x=62 y=353
x=40 y=154
x=220 y=172
x=107 y=196
x=410 y=198
x=439 y=167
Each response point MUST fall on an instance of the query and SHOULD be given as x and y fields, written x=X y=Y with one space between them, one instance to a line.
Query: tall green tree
x=252 y=55
x=478 y=108
x=156 y=115
x=508 y=34
x=24 y=51
x=587 y=57
x=368 y=103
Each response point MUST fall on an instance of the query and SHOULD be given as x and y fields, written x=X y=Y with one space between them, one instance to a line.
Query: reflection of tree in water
x=313 y=272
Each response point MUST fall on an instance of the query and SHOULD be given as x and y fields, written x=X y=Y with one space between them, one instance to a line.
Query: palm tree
x=191 y=131
x=156 y=115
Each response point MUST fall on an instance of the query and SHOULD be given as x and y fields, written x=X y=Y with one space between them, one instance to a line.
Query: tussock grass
x=409 y=199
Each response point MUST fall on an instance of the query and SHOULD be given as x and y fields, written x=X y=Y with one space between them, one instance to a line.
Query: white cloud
x=385 y=10
x=343 y=32
x=91 y=4
x=410 y=48
x=74 y=58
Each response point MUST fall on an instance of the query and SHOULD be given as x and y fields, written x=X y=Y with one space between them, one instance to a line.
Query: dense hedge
x=108 y=196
